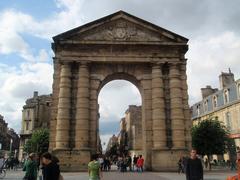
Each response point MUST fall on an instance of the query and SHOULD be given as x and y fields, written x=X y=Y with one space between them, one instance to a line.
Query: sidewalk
x=114 y=175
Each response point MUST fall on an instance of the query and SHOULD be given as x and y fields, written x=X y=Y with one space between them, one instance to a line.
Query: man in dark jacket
x=50 y=169
x=194 y=169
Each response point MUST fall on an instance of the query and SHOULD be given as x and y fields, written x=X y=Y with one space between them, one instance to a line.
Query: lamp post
x=11 y=141
x=0 y=149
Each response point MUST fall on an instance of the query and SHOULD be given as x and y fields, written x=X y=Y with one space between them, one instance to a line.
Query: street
x=214 y=175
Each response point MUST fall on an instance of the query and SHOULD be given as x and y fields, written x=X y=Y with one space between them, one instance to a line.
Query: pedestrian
x=101 y=162
x=51 y=169
x=2 y=161
x=30 y=168
x=180 y=165
x=238 y=162
x=194 y=169
x=135 y=159
x=94 y=168
x=129 y=162
x=140 y=163
x=206 y=163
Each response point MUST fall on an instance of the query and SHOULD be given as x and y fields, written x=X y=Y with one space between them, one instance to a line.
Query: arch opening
x=120 y=120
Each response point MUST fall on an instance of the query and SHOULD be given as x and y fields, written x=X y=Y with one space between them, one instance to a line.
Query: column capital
x=67 y=63
x=157 y=64
x=174 y=64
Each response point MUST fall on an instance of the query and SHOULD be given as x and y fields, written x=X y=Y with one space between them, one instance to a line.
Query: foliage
x=210 y=137
x=38 y=143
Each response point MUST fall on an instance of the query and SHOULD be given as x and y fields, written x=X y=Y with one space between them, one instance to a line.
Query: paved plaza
x=214 y=175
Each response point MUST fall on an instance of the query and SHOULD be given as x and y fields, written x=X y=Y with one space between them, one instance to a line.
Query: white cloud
x=13 y=24
x=104 y=140
x=18 y=84
x=115 y=97
x=213 y=47
x=208 y=57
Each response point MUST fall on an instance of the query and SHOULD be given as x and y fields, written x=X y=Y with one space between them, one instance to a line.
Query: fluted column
x=94 y=119
x=54 y=108
x=176 y=101
x=186 y=110
x=158 y=109
x=146 y=93
x=64 y=106
x=82 y=108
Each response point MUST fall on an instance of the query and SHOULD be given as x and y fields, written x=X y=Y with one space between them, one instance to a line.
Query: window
x=226 y=96
x=214 y=101
x=228 y=120
x=206 y=105
x=238 y=90
x=198 y=109
x=28 y=113
x=27 y=125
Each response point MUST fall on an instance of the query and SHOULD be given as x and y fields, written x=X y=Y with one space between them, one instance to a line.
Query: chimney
x=35 y=94
x=208 y=90
x=226 y=79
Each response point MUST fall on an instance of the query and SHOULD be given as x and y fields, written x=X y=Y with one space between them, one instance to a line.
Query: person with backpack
x=94 y=168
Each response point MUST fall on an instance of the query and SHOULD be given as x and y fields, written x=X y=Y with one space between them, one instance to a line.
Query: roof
x=112 y=17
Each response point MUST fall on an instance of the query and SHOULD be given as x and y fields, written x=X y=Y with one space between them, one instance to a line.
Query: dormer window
x=238 y=90
x=28 y=114
x=206 y=105
x=198 y=109
x=215 y=101
x=226 y=96
x=27 y=125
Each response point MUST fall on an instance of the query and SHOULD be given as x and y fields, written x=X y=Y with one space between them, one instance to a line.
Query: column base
x=72 y=160
x=166 y=160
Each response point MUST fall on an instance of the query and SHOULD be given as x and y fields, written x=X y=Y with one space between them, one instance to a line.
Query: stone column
x=158 y=109
x=64 y=106
x=176 y=101
x=146 y=93
x=186 y=110
x=54 y=108
x=82 y=108
x=94 y=119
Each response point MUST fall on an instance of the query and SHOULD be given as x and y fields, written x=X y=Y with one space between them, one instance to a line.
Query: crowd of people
x=10 y=163
x=131 y=164
x=45 y=167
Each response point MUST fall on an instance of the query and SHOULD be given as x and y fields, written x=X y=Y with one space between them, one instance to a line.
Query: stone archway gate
x=120 y=46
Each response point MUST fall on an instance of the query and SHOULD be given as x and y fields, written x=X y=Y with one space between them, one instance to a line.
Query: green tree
x=39 y=142
x=210 y=137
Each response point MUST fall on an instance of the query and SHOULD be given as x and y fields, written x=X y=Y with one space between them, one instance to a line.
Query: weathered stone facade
x=120 y=46
x=36 y=114
x=8 y=137
x=133 y=117
x=3 y=134
x=113 y=141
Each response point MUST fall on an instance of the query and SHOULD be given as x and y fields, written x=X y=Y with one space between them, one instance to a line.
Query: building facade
x=223 y=103
x=3 y=134
x=133 y=118
x=113 y=141
x=36 y=114
x=9 y=139
x=120 y=46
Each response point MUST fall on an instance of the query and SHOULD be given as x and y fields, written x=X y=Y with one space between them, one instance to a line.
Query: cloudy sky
x=26 y=28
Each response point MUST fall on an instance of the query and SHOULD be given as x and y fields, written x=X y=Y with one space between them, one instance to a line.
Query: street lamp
x=11 y=141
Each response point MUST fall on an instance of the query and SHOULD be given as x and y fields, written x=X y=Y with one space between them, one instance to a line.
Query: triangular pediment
x=120 y=27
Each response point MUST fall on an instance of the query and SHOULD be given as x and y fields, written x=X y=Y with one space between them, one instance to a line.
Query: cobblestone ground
x=215 y=175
